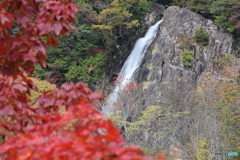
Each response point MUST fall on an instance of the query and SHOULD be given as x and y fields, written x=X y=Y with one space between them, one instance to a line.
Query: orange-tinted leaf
x=42 y=61
x=21 y=9
x=90 y=68
x=51 y=40
x=160 y=156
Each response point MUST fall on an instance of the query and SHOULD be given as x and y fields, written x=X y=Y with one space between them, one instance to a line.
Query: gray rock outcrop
x=168 y=84
x=163 y=73
x=154 y=14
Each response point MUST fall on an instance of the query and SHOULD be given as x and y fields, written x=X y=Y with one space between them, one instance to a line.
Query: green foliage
x=228 y=105
x=226 y=60
x=224 y=12
x=201 y=36
x=125 y=12
x=74 y=57
x=82 y=3
x=39 y=71
x=200 y=6
x=75 y=46
x=181 y=3
x=117 y=15
x=90 y=69
x=202 y=153
x=187 y=56
x=153 y=117
x=148 y=151
x=116 y=21
x=219 y=10
x=222 y=20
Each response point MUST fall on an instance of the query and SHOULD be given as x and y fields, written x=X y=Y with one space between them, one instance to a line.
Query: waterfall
x=129 y=70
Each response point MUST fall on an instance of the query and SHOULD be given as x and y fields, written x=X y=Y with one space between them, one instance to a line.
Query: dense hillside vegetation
x=104 y=26
x=224 y=12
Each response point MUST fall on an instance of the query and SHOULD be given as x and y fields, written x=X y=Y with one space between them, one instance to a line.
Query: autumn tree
x=116 y=20
x=214 y=125
x=224 y=12
x=38 y=129
x=234 y=15
x=143 y=121
x=76 y=53
x=42 y=86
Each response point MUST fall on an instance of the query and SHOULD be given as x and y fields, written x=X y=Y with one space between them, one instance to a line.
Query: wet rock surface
x=154 y=14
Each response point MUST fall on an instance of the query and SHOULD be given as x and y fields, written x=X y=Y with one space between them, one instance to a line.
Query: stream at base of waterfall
x=130 y=68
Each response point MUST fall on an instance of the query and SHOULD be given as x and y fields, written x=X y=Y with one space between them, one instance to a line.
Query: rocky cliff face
x=163 y=74
x=153 y=15
x=162 y=112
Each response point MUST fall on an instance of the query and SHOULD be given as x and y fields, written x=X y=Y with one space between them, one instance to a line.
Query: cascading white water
x=130 y=67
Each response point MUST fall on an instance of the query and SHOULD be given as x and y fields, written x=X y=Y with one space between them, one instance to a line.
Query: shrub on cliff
x=187 y=56
x=201 y=36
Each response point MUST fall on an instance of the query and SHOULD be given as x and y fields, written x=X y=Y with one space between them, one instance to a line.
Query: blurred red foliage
x=63 y=123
